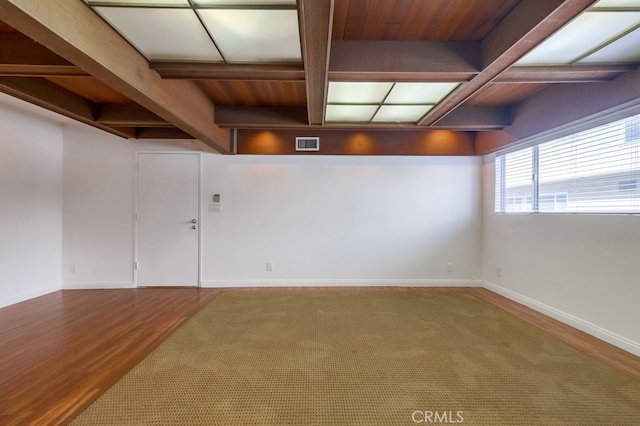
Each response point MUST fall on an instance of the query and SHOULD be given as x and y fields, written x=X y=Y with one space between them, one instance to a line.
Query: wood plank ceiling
x=73 y=62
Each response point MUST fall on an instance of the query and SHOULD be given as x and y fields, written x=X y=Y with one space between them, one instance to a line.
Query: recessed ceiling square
x=624 y=50
x=144 y=3
x=245 y=2
x=401 y=113
x=419 y=93
x=357 y=93
x=163 y=34
x=617 y=3
x=584 y=33
x=252 y=35
x=350 y=113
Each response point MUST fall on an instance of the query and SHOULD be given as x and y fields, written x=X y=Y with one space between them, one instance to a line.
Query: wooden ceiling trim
x=215 y=71
x=501 y=94
x=563 y=74
x=28 y=70
x=316 y=20
x=73 y=31
x=562 y=105
x=242 y=116
x=130 y=132
x=128 y=115
x=357 y=142
x=161 y=133
x=524 y=27
x=260 y=117
x=21 y=56
x=45 y=94
x=480 y=118
x=404 y=61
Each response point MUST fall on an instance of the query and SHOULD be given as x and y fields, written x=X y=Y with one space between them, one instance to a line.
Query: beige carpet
x=364 y=357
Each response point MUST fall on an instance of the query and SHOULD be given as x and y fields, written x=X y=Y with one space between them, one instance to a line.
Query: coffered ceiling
x=405 y=77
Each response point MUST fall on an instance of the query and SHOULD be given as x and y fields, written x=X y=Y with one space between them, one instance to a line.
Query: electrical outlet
x=498 y=271
x=269 y=266
x=449 y=267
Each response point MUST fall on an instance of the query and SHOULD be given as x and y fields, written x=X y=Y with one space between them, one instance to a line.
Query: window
x=594 y=171
x=632 y=129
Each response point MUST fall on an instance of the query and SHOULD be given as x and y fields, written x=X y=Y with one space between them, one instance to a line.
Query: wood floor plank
x=60 y=352
x=617 y=358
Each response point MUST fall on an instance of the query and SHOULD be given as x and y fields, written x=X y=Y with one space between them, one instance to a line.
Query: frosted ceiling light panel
x=584 y=33
x=625 y=49
x=245 y=2
x=350 y=113
x=401 y=113
x=419 y=93
x=251 y=35
x=357 y=93
x=617 y=3
x=143 y=3
x=163 y=34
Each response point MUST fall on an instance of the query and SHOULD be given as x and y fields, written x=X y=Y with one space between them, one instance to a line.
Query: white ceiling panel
x=144 y=3
x=249 y=35
x=401 y=113
x=586 y=32
x=245 y=2
x=419 y=93
x=357 y=93
x=617 y=3
x=625 y=49
x=350 y=113
x=163 y=34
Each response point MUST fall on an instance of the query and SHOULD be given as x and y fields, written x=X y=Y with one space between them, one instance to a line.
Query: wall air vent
x=308 y=143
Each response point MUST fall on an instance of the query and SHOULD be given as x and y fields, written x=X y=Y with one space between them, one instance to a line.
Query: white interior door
x=168 y=220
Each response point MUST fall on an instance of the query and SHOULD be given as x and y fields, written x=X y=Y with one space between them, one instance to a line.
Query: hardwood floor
x=61 y=351
x=617 y=358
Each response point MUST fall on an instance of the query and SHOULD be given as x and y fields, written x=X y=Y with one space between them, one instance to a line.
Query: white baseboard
x=582 y=325
x=30 y=294
x=341 y=283
x=98 y=285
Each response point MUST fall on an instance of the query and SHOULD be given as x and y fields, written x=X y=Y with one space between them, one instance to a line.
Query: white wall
x=321 y=220
x=30 y=205
x=98 y=226
x=581 y=269
x=341 y=220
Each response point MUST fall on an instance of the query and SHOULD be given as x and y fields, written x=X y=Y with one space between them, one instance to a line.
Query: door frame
x=136 y=153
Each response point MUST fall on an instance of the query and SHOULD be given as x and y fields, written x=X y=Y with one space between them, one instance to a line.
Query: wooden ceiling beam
x=563 y=74
x=129 y=115
x=161 y=133
x=528 y=24
x=476 y=118
x=214 y=71
x=45 y=94
x=260 y=117
x=243 y=116
x=316 y=23
x=363 y=60
x=21 y=56
x=73 y=31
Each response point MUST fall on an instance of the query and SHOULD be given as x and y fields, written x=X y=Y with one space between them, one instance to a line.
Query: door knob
x=194 y=227
x=194 y=221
